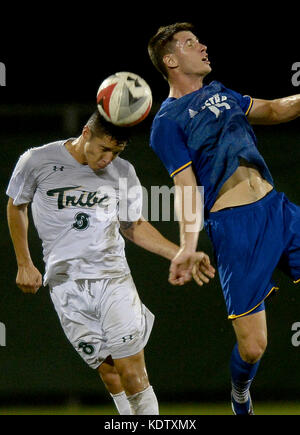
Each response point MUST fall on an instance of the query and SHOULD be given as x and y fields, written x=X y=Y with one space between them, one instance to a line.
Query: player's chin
x=207 y=69
x=97 y=167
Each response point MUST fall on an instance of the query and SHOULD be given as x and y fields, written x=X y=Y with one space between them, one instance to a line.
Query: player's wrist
x=189 y=245
x=24 y=262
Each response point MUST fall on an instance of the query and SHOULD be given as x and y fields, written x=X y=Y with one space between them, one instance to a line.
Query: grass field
x=274 y=408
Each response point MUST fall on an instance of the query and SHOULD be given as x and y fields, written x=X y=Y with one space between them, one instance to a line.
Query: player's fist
x=29 y=279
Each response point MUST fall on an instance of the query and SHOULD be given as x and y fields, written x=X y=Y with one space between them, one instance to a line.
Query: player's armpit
x=127 y=229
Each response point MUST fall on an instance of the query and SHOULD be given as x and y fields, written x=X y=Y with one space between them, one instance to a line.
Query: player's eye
x=104 y=149
x=192 y=42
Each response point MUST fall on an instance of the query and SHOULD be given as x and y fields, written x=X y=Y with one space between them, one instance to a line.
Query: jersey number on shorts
x=88 y=349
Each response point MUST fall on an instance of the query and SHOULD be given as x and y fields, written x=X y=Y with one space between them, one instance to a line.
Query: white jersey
x=76 y=211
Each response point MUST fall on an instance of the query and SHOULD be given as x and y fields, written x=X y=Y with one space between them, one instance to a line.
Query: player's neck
x=76 y=149
x=184 y=85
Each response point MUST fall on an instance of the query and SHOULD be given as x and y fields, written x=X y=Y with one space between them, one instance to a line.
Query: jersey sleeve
x=22 y=185
x=131 y=199
x=168 y=141
x=245 y=101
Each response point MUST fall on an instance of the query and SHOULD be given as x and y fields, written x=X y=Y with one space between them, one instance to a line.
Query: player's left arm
x=268 y=112
x=145 y=235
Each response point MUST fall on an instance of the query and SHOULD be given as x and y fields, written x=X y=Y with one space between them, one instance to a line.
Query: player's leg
x=134 y=378
x=251 y=334
x=76 y=306
x=112 y=382
x=127 y=325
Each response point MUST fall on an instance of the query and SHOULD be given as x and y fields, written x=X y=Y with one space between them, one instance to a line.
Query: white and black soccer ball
x=124 y=99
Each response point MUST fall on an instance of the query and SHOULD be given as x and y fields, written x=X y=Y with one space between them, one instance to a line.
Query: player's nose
x=107 y=157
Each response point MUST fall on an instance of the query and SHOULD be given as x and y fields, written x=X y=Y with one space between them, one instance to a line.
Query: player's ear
x=170 y=60
x=86 y=133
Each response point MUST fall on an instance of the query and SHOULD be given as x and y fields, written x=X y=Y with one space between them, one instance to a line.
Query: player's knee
x=133 y=374
x=253 y=351
x=112 y=381
x=133 y=377
x=134 y=380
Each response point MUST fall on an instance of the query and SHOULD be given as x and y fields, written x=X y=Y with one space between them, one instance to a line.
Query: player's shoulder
x=46 y=150
x=42 y=153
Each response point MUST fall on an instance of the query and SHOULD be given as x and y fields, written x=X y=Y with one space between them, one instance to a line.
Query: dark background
x=55 y=58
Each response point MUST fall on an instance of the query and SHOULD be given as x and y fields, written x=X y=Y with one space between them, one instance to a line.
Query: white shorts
x=102 y=317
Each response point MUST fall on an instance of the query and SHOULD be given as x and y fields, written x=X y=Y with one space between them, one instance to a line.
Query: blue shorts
x=250 y=242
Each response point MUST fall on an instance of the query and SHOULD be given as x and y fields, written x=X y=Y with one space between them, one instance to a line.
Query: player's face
x=101 y=151
x=190 y=55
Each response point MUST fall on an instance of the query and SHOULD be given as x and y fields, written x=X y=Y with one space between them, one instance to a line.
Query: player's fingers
x=176 y=281
x=197 y=279
x=202 y=277
x=205 y=266
x=38 y=283
x=209 y=271
x=27 y=289
x=206 y=262
x=179 y=277
x=173 y=275
x=199 y=276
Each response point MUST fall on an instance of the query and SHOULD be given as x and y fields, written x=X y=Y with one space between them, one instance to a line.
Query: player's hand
x=29 y=279
x=202 y=270
x=186 y=265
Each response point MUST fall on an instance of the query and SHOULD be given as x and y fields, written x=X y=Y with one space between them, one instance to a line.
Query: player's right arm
x=29 y=279
x=189 y=212
x=168 y=140
x=20 y=191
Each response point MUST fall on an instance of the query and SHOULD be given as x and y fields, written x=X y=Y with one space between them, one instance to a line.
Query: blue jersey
x=209 y=130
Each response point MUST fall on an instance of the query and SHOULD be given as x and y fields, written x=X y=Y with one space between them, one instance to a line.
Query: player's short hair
x=161 y=44
x=100 y=127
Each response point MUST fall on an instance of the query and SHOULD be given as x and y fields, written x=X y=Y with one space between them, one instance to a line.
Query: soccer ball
x=124 y=99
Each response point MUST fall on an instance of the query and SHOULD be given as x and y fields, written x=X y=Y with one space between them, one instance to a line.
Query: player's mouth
x=206 y=60
x=102 y=165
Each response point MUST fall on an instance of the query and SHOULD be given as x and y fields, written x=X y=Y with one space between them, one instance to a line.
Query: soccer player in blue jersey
x=203 y=136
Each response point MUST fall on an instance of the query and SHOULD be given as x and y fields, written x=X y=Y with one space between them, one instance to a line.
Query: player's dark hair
x=161 y=44
x=100 y=127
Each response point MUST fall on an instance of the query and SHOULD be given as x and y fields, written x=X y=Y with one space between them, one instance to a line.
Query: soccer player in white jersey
x=81 y=195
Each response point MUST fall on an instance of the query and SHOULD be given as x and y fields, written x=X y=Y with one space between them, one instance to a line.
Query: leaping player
x=78 y=207
x=203 y=136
